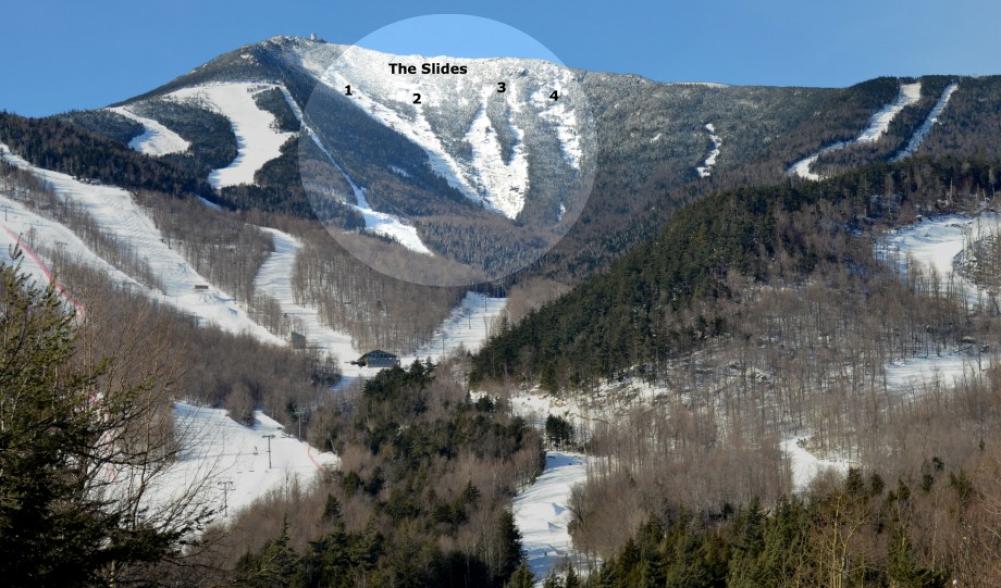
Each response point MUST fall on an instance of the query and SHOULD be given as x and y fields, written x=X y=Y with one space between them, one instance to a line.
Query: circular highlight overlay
x=431 y=160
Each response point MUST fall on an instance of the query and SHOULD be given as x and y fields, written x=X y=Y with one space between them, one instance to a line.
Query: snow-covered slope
x=275 y=279
x=257 y=136
x=480 y=140
x=880 y=122
x=114 y=210
x=705 y=170
x=218 y=452
x=155 y=139
x=468 y=326
x=542 y=514
x=806 y=466
x=379 y=223
x=929 y=123
x=878 y=125
x=935 y=243
x=22 y=227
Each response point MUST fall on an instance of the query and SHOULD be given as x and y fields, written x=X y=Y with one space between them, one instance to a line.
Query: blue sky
x=58 y=55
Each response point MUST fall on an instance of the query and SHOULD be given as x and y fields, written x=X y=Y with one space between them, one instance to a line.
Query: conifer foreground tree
x=80 y=442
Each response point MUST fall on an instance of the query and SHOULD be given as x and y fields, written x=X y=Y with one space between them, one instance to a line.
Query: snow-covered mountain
x=473 y=182
x=507 y=148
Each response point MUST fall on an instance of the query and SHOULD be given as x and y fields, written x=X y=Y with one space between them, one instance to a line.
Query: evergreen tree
x=571 y=580
x=61 y=521
x=509 y=555
x=274 y=566
x=522 y=578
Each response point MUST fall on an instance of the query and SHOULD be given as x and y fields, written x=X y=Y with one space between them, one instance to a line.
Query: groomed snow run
x=542 y=515
x=257 y=136
x=20 y=226
x=114 y=210
x=878 y=125
x=928 y=124
x=274 y=278
x=705 y=170
x=378 y=223
x=468 y=326
x=806 y=466
x=156 y=139
x=217 y=451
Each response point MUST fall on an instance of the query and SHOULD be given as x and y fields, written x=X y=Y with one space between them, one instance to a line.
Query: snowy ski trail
x=928 y=124
x=258 y=140
x=467 y=326
x=217 y=452
x=156 y=139
x=542 y=515
x=115 y=211
x=274 y=278
x=879 y=123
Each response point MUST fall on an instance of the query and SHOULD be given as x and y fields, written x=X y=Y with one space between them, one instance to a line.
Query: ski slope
x=705 y=170
x=379 y=223
x=217 y=451
x=156 y=139
x=257 y=136
x=928 y=124
x=21 y=227
x=114 y=210
x=879 y=123
x=275 y=279
x=467 y=327
x=542 y=515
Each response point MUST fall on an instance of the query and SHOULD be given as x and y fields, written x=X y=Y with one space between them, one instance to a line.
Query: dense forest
x=863 y=531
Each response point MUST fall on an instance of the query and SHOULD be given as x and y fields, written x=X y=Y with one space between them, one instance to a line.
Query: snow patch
x=935 y=243
x=916 y=375
x=705 y=170
x=806 y=466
